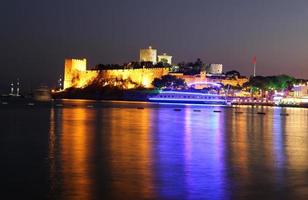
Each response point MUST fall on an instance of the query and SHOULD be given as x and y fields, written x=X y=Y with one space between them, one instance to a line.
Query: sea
x=78 y=149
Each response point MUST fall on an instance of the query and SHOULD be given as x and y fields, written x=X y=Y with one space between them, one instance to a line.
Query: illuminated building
x=202 y=77
x=76 y=75
x=129 y=76
x=298 y=98
x=214 y=75
x=136 y=74
x=214 y=69
x=164 y=58
x=148 y=55
x=300 y=90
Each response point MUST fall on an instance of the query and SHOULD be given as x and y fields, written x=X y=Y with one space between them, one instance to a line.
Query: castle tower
x=214 y=69
x=72 y=68
x=148 y=55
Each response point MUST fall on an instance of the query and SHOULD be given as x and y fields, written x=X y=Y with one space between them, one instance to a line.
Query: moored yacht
x=189 y=97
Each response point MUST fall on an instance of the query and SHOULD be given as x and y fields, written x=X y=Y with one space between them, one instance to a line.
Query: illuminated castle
x=150 y=55
x=77 y=75
x=136 y=74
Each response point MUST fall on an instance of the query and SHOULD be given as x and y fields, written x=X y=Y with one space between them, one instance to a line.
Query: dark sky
x=37 y=35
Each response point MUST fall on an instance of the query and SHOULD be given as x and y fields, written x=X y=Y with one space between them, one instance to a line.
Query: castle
x=130 y=76
x=77 y=75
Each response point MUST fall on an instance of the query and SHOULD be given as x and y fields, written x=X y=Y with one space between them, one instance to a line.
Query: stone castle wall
x=142 y=77
x=77 y=76
x=72 y=69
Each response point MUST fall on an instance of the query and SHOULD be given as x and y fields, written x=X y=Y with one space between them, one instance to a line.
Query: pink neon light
x=196 y=100
x=204 y=82
x=190 y=93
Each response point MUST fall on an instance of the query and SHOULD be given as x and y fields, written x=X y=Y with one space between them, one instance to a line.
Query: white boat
x=189 y=97
x=42 y=94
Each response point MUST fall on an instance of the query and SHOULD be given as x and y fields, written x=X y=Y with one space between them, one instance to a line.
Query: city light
x=204 y=83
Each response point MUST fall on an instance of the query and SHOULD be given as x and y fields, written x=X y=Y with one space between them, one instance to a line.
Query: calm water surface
x=113 y=150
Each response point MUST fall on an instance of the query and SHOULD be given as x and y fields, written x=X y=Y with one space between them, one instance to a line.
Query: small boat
x=42 y=94
x=189 y=97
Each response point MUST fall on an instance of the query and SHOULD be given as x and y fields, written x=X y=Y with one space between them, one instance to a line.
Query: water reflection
x=130 y=153
x=296 y=139
x=169 y=153
x=76 y=143
x=154 y=153
x=205 y=161
x=100 y=152
x=51 y=154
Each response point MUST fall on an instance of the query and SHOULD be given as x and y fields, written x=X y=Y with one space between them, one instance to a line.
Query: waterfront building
x=136 y=74
x=203 y=77
x=164 y=58
x=300 y=90
x=299 y=96
x=77 y=75
x=148 y=55
x=128 y=76
x=214 y=69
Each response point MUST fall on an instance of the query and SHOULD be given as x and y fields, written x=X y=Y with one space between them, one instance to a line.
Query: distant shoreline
x=134 y=95
x=29 y=101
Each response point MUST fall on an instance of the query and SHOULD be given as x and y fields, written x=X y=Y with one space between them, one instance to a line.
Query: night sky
x=37 y=35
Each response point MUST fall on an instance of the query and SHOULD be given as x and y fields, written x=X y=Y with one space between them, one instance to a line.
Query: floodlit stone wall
x=76 y=75
x=73 y=67
x=142 y=77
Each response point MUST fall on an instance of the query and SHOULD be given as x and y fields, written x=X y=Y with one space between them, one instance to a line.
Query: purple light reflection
x=204 y=154
x=190 y=154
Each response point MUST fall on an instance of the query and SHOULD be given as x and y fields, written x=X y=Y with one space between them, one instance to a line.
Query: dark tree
x=281 y=82
x=168 y=81
x=157 y=83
